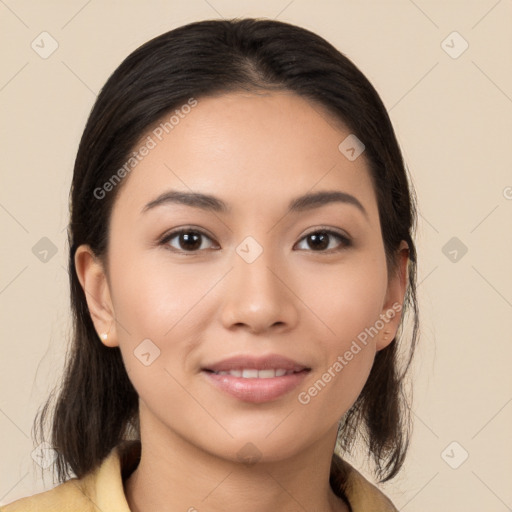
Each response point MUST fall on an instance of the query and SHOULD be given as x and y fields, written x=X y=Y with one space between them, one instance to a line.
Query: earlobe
x=384 y=339
x=92 y=277
x=395 y=296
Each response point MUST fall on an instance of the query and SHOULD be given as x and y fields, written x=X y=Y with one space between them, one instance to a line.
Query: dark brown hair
x=97 y=406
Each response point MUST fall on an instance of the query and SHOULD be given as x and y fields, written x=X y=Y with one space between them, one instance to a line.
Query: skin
x=256 y=152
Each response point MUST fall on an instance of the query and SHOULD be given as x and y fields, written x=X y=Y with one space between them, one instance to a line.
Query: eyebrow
x=211 y=203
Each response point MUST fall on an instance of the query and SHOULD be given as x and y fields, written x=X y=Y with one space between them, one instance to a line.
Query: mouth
x=251 y=373
x=256 y=379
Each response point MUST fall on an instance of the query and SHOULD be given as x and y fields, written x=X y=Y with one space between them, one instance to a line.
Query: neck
x=184 y=477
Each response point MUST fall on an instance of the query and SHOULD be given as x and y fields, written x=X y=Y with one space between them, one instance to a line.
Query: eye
x=323 y=241
x=193 y=240
x=186 y=240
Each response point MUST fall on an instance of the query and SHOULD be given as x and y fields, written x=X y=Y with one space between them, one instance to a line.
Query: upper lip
x=273 y=361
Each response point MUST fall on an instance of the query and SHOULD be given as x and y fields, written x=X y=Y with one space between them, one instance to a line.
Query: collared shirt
x=103 y=489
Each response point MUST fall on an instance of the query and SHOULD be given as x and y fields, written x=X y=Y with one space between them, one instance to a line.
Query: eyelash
x=345 y=241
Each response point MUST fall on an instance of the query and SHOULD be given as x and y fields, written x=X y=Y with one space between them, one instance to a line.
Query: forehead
x=247 y=149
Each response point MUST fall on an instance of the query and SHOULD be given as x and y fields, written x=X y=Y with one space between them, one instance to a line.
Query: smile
x=250 y=373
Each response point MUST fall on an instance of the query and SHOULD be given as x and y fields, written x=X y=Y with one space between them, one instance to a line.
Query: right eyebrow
x=193 y=199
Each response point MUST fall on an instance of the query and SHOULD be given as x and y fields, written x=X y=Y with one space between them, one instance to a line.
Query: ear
x=393 y=304
x=93 y=279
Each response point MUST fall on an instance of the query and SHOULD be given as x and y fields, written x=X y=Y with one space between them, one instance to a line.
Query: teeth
x=266 y=374
x=256 y=374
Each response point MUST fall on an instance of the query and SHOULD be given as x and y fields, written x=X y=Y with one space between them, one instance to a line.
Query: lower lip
x=256 y=390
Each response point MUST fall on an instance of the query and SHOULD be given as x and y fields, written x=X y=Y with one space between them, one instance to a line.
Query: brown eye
x=186 y=240
x=325 y=240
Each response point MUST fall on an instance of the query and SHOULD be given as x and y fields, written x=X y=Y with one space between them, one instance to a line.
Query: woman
x=241 y=260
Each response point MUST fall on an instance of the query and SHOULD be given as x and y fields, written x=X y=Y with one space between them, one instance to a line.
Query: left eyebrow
x=318 y=199
x=211 y=203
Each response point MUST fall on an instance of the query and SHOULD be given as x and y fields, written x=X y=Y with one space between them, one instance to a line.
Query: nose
x=258 y=297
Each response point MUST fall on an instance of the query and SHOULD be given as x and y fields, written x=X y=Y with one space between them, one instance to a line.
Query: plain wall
x=453 y=118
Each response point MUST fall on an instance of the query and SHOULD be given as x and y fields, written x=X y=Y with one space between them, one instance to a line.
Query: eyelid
x=328 y=229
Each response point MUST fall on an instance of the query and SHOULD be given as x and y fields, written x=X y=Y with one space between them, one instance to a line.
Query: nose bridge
x=255 y=296
x=255 y=275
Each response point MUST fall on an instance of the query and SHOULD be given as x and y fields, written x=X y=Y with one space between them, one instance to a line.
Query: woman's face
x=267 y=277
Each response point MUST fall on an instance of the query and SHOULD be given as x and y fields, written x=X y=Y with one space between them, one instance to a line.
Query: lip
x=256 y=390
x=272 y=361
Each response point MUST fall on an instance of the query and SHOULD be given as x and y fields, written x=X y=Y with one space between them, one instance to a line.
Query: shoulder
x=362 y=495
x=68 y=496
x=101 y=489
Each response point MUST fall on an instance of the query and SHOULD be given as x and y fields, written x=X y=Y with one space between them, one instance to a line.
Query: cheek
x=348 y=300
x=337 y=386
x=164 y=303
x=156 y=302
x=154 y=299
x=348 y=354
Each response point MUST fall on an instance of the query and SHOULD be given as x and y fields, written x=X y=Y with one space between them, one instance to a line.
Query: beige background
x=453 y=117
